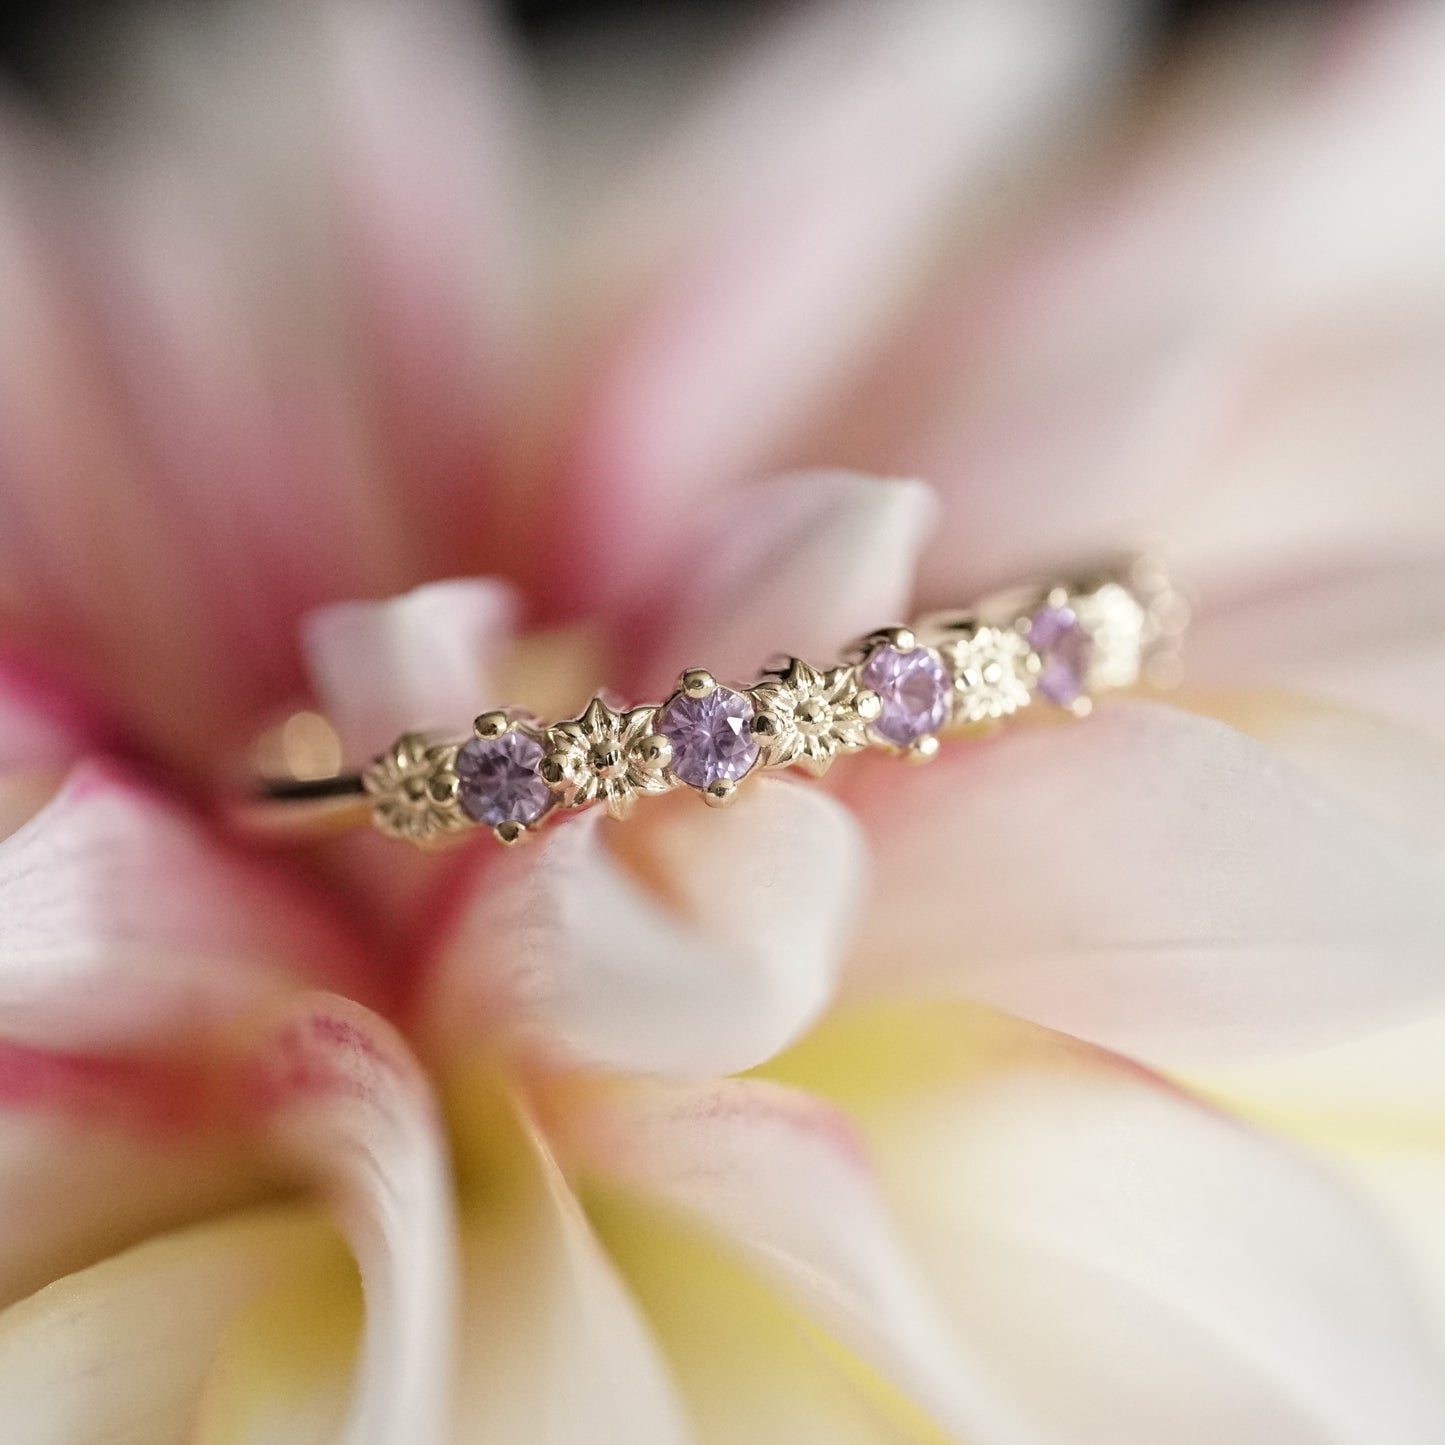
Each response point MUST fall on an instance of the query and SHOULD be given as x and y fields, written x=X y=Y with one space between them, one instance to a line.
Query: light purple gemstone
x=1065 y=650
x=499 y=779
x=915 y=689
x=711 y=737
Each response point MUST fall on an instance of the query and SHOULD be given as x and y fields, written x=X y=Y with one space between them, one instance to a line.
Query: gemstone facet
x=1065 y=652
x=499 y=781
x=914 y=688
x=712 y=737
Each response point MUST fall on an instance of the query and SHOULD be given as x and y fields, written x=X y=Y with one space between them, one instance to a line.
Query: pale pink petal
x=41 y=727
x=423 y=662
x=1368 y=634
x=1127 y=1265
x=123 y=924
x=1150 y=880
x=683 y=941
x=785 y=1185
x=1393 y=773
x=781 y=230
x=130 y=943
x=1229 y=336
x=257 y=368
x=801 y=565
x=338 y=1095
x=121 y=1351
x=556 y=1351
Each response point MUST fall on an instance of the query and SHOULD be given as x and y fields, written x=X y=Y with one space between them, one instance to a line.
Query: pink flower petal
x=123 y=924
x=260 y=372
x=801 y=565
x=1150 y=880
x=338 y=1093
x=121 y=1350
x=1228 y=337
x=811 y=190
x=130 y=943
x=1126 y=1265
x=683 y=942
x=785 y=1186
x=420 y=662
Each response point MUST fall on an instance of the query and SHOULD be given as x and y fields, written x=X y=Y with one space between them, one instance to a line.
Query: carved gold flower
x=991 y=668
x=606 y=756
x=808 y=717
x=413 y=790
x=1115 y=622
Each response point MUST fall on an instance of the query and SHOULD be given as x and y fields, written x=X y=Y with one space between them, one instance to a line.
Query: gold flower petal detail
x=808 y=717
x=1115 y=622
x=991 y=668
x=606 y=756
x=413 y=790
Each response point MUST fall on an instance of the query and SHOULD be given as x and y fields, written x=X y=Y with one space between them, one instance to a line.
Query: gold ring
x=899 y=689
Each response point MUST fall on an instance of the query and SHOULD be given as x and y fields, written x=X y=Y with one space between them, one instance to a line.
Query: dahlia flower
x=1084 y=1087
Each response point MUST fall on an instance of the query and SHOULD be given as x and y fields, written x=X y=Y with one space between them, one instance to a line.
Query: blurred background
x=39 y=39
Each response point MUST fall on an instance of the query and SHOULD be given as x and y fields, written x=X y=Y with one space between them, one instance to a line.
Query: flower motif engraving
x=991 y=668
x=413 y=790
x=808 y=717
x=1114 y=621
x=606 y=756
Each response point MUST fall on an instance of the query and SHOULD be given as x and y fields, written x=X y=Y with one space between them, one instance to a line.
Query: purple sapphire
x=499 y=779
x=712 y=737
x=915 y=690
x=1065 y=650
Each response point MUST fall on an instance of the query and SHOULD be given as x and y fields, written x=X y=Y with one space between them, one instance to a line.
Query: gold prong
x=555 y=769
x=766 y=726
x=924 y=749
x=509 y=833
x=904 y=639
x=868 y=705
x=491 y=724
x=720 y=793
x=698 y=682
x=444 y=788
x=653 y=752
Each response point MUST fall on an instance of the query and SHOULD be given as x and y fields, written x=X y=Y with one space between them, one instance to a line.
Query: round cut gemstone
x=712 y=737
x=1064 y=649
x=499 y=779
x=915 y=690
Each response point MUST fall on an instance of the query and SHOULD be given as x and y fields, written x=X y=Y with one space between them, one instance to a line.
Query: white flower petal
x=1391 y=773
x=555 y=1350
x=1124 y=1263
x=1149 y=880
x=801 y=565
x=120 y=1351
x=422 y=662
x=1369 y=635
x=785 y=1186
x=1374 y=1107
x=337 y=1092
x=684 y=941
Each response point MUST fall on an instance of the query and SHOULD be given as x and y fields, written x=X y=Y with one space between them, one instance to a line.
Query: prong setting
x=897 y=690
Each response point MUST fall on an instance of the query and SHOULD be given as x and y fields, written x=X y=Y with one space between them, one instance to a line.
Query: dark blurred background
x=37 y=36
